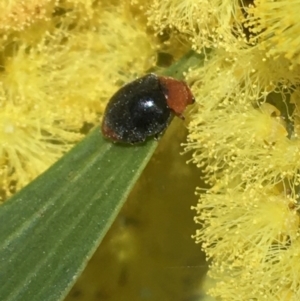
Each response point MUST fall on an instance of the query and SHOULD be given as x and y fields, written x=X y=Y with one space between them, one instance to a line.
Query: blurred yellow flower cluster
x=244 y=134
x=59 y=62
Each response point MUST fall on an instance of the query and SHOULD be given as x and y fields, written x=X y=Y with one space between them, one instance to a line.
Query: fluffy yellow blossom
x=244 y=135
x=258 y=243
x=232 y=96
x=60 y=62
x=274 y=26
x=18 y=15
x=272 y=219
x=206 y=23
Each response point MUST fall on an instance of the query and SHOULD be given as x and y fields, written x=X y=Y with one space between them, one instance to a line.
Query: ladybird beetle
x=144 y=108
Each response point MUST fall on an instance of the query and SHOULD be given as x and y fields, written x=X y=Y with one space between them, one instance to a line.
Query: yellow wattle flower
x=244 y=135
x=60 y=63
x=274 y=26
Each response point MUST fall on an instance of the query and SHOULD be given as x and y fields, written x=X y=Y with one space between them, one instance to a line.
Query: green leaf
x=58 y=220
x=51 y=228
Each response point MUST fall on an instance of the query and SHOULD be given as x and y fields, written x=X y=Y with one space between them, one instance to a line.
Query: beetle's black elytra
x=143 y=108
